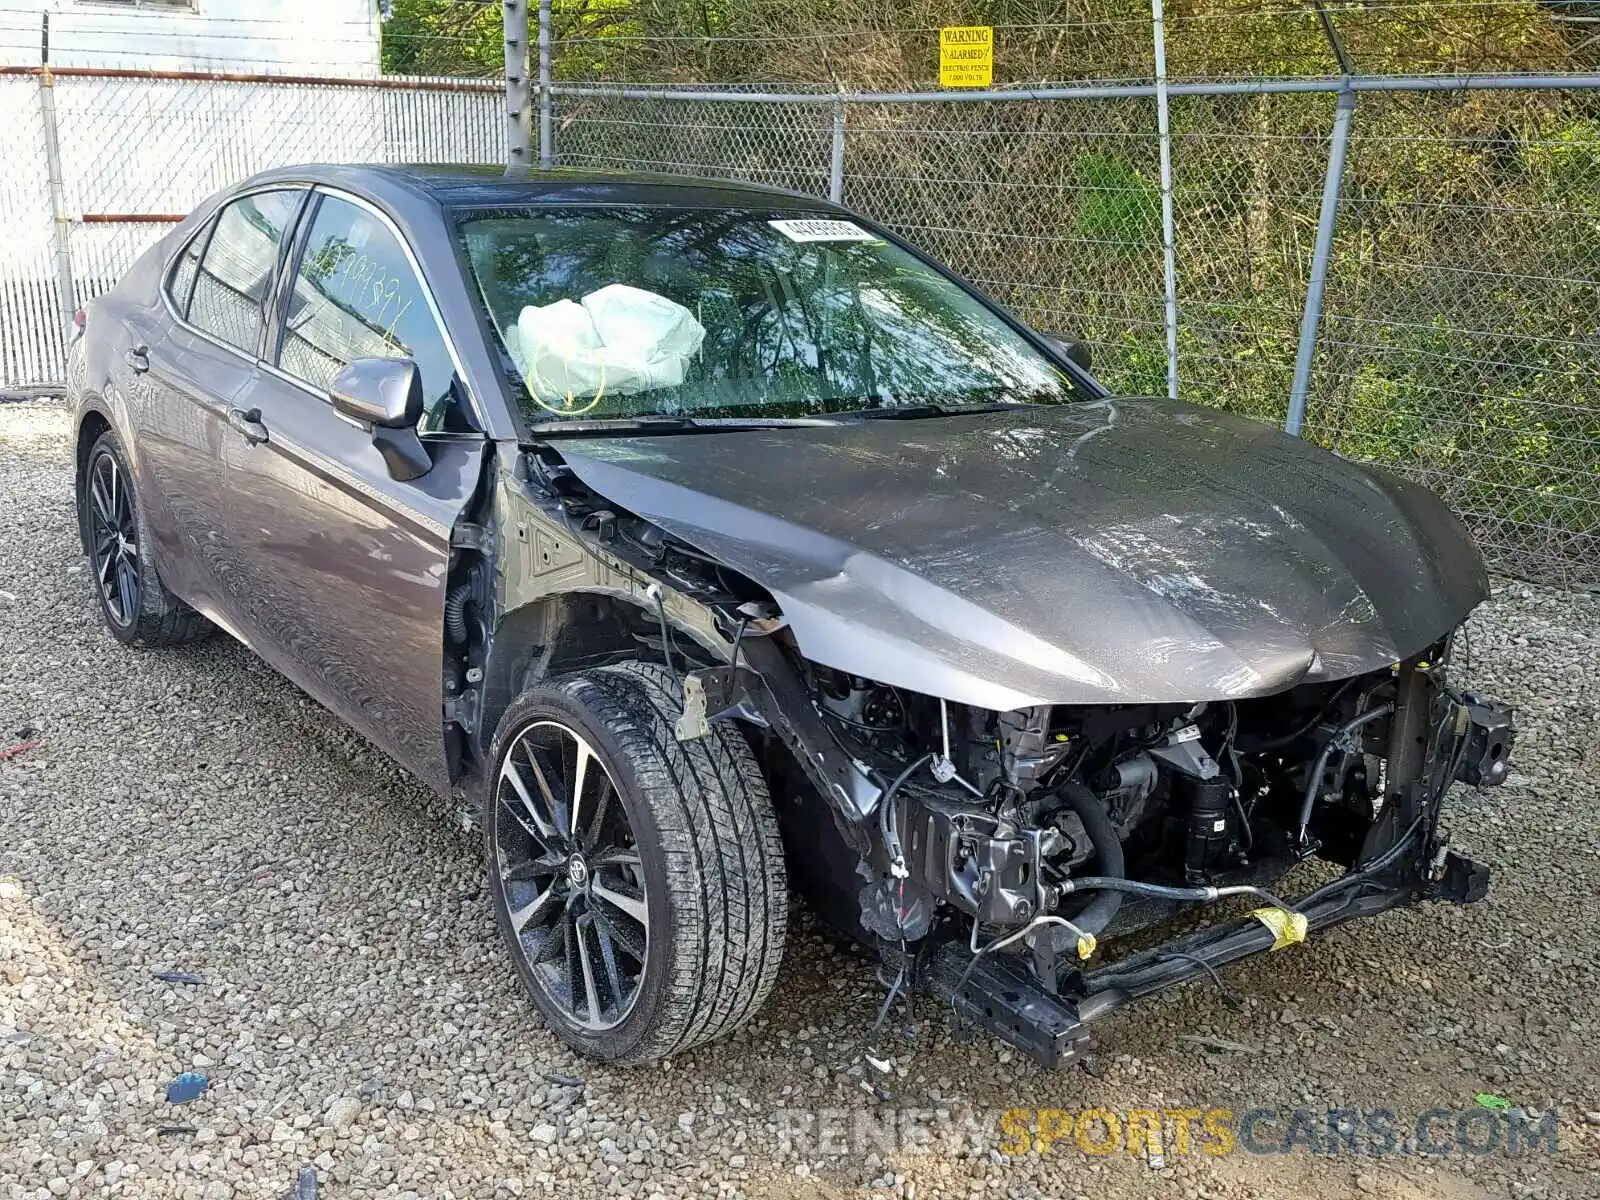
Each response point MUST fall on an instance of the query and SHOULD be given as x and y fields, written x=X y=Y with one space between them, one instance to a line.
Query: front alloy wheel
x=637 y=880
x=571 y=875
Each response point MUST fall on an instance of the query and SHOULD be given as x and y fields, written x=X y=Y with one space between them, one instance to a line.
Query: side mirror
x=385 y=396
x=1078 y=352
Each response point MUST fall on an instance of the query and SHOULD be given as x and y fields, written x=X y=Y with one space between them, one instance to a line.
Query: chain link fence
x=1459 y=340
x=30 y=326
x=781 y=145
x=100 y=163
x=180 y=140
x=1461 y=336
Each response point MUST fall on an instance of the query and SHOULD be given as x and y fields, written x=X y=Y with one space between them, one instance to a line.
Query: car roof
x=474 y=186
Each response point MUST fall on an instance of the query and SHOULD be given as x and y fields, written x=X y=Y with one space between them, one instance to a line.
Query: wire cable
x=886 y=818
x=1282 y=740
x=1229 y=996
x=883 y=1010
x=655 y=593
x=1361 y=874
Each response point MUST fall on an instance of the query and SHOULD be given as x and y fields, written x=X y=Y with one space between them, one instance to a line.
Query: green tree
x=444 y=37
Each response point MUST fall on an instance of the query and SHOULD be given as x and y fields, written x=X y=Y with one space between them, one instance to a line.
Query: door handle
x=248 y=422
x=138 y=359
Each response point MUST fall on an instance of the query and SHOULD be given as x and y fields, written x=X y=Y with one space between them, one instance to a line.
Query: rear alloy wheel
x=137 y=607
x=113 y=538
x=638 y=880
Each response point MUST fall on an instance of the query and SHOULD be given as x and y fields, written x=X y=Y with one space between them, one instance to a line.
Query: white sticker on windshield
x=815 y=229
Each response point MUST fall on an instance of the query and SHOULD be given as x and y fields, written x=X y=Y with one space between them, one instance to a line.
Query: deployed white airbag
x=618 y=340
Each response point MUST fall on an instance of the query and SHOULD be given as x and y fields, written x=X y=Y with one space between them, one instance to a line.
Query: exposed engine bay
x=1024 y=842
x=1012 y=806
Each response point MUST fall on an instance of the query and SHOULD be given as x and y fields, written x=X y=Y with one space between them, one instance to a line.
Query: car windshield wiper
x=670 y=423
x=665 y=423
x=919 y=412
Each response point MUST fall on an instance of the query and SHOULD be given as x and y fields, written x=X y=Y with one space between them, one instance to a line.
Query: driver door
x=345 y=567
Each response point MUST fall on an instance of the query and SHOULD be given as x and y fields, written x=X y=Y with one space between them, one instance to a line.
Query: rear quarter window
x=233 y=281
x=180 y=280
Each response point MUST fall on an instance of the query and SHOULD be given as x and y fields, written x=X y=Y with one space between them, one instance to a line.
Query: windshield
x=632 y=312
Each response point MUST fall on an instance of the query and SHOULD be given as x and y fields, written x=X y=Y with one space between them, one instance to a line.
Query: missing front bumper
x=1000 y=996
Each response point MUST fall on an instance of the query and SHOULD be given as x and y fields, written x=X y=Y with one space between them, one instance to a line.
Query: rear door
x=342 y=568
x=186 y=363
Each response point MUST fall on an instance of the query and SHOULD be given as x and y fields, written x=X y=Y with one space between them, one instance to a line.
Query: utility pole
x=518 y=94
x=60 y=223
x=547 y=147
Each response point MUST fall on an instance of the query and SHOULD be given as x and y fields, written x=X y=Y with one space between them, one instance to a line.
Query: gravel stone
x=191 y=810
x=342 y=1113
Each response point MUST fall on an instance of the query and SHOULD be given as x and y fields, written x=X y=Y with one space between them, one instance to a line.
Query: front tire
x=638 y=881
x=136 y=606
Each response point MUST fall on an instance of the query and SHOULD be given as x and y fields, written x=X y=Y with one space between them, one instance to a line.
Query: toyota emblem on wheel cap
x=577 y=872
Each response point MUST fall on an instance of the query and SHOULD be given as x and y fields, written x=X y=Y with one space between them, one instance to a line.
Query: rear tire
x=700 y=860
x=136 y=606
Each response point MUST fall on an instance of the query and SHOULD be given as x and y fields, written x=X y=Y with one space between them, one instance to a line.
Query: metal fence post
x=1327 y=218
x=547 y=148
x=60 y=223
x=1169 y=251
x=836 y=157
x=518 y=97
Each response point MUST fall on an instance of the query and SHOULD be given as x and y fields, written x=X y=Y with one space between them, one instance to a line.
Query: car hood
x=1126 y=550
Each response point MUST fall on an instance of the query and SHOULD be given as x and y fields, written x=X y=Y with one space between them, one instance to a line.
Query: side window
x=234 y=279
x=356 y=296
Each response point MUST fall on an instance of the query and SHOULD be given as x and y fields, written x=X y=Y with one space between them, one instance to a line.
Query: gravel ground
x=192 y=811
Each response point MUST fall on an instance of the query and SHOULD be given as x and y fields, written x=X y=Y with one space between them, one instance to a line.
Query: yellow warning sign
x=966 y=56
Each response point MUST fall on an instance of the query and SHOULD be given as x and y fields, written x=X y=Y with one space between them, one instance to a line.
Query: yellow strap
x=1286 y=926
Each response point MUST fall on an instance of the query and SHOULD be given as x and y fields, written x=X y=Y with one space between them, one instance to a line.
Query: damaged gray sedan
x=724 y=546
